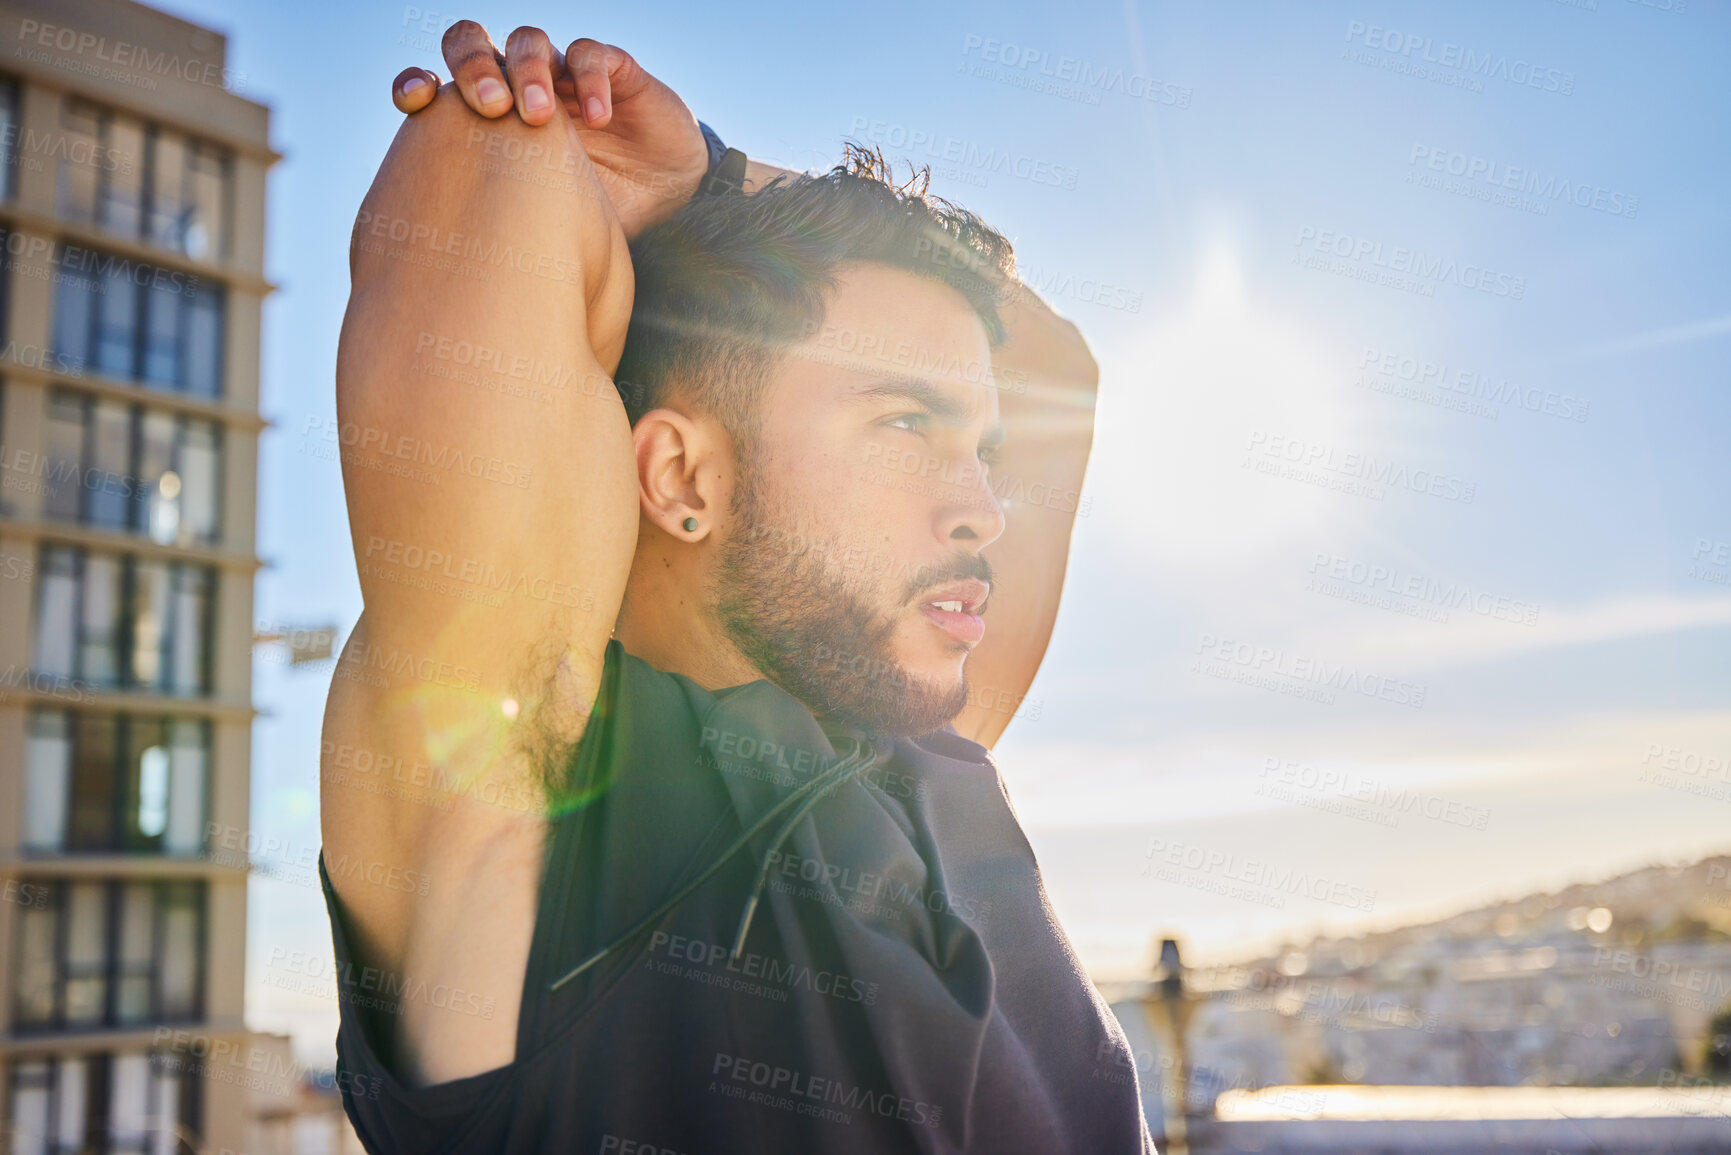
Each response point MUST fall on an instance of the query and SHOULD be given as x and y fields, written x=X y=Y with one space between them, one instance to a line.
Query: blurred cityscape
x=1622 y=985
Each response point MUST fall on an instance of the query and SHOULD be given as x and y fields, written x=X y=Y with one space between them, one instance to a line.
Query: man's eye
x=991 y=455
x=912 y=422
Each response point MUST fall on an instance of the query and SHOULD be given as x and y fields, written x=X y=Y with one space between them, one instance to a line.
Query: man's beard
x=813 y=634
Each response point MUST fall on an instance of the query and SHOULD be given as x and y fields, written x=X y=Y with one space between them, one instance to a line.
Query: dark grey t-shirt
x=903 y=984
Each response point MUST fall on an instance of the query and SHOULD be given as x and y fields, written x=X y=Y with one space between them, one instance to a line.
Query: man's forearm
x=758 y=174
x=1046 y=383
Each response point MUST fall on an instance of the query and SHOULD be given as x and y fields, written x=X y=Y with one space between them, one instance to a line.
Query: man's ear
x=683 y=472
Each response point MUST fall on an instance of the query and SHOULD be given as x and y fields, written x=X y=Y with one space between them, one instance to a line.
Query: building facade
x=132 y=226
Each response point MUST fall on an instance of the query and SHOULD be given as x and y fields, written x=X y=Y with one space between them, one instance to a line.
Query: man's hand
x=644 y=143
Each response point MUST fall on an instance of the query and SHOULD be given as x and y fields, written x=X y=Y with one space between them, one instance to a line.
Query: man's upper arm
x=487 y=467
x=488 y=310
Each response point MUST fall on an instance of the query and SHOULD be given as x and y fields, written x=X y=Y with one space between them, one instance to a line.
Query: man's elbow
x=451 y=171
x=451 y=135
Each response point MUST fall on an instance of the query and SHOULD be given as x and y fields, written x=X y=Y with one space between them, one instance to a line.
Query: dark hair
x=728 y=282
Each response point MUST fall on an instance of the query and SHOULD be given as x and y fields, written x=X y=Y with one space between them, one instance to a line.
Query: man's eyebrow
x=930 y=398
x=922 y=393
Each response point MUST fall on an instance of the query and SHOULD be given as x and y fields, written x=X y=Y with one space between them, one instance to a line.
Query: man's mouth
x=956 y=608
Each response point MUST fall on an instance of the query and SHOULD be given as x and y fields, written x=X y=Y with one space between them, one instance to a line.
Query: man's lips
x=955 y=609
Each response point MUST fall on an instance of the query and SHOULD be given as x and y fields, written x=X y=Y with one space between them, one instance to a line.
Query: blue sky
x=1284 y=200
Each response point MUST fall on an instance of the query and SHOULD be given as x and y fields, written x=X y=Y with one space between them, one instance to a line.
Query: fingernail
x=413 y=85
x=491 y=91
x=535 y=98
x=592 y=108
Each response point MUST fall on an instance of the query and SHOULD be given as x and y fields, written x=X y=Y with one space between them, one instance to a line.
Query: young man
x=657 y=809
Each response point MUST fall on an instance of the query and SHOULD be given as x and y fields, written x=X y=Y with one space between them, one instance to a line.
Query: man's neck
x=665 y=621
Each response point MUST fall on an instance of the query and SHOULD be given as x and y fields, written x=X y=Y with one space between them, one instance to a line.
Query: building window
x=124 y=622
x=129 y=467
x=6 y=236
x=9 y=134
x=127 y=319
x=105 y=782
x=143 y=182
x=131 y=1103
x=108 y=954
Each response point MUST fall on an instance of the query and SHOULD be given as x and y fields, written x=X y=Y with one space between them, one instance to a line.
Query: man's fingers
x=531 y=65
x=592 y=65
x=475 y=67
x=414 y=89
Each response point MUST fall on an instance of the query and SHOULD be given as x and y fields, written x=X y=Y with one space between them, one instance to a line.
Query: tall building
x=132 y=200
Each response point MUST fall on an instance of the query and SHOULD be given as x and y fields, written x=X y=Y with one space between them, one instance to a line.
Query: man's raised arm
x=492 y=499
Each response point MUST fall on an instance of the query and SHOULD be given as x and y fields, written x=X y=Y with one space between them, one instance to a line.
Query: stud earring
x=690 y=525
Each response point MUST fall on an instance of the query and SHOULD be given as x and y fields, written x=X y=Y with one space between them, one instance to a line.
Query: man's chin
x=897 y=708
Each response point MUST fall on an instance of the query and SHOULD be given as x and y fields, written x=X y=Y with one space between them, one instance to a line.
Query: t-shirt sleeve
x=388 y=1116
